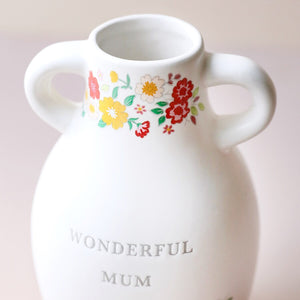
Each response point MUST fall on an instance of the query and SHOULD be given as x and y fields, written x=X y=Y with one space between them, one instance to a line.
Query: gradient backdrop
x=265 y=30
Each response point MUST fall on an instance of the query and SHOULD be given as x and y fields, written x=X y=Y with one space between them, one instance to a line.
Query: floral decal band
x=114 y=102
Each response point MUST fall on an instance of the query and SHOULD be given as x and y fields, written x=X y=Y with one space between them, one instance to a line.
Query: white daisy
x=150 y=88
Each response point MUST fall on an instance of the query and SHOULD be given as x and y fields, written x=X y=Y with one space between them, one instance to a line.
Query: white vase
x=144 y=196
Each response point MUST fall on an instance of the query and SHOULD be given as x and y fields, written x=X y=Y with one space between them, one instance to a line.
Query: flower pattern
x=94 y=87
x=177 y=111
x=143 y=129
x=113 y=112
x=172 y=97
x=92 y=109
x=114 y=76
x=168 y=129
x=183 y=90
x=150 y=88
x=140 y=109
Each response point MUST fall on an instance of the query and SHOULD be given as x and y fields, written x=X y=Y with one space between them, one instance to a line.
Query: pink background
x=273 y=156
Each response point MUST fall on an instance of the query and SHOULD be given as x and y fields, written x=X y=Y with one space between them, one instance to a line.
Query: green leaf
x=162 y=103
x=161 y=120
x=201 y=106
x=157 y=111
x=129 y=100
x=195 y=92
x=115 y=92
x=194 y=111
x=128 y=80
x=130 y=124
x=83 y=113
x=101 y=123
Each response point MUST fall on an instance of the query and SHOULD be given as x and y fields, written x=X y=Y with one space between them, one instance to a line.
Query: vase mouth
x=147 y=39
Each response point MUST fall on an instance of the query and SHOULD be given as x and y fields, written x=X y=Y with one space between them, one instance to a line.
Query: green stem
x=123 y=81
x=137 y=124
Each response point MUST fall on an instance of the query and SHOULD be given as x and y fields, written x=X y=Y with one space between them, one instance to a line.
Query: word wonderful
x=130 y=249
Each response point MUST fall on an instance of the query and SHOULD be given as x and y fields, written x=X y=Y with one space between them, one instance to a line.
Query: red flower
x=177 y=111
x=183 y=90
x=168 y=129
x=143 y=129
x=94 y=86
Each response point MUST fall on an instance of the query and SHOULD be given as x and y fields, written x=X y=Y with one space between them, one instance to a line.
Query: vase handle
x=231 y=130
x=46 y=102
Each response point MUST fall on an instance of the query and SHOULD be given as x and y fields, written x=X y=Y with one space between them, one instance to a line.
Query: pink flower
x=143 y=129
x=140 y=109
x=177 y=111
x=94 y=87
x=168 y=129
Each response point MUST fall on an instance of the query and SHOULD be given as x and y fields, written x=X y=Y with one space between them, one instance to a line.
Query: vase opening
x=148 y=38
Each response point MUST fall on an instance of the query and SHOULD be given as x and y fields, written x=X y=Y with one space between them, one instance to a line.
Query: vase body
x=144 y=196
x=108 y=209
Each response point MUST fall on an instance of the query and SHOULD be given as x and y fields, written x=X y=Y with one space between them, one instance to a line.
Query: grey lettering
x=139 y=281
x=159 y=248
x=107 y=279
x=76 y=236
x=185 y=248
x=102 y=245
x=90 y=244
x=145 y=248
x=123 y=281
x=116 y=249
x=132 y=250
x=176 y=249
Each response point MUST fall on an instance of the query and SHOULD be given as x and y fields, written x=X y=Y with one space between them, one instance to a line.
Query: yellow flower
x=91 y=108
x=113 y=112
x=149 y=88
x=114 y=76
